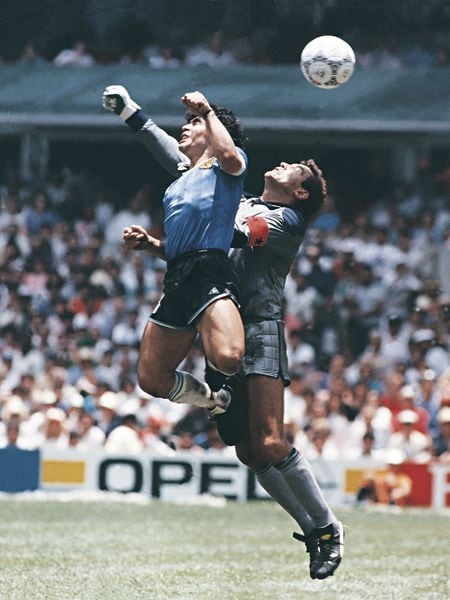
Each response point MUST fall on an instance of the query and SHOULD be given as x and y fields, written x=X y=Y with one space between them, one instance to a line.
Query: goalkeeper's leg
x=284 y=474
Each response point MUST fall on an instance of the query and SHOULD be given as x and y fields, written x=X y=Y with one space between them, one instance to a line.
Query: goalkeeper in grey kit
x=268 y=233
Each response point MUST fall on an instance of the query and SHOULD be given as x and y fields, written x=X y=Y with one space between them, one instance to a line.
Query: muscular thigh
x=162 y=349
x=221 y=330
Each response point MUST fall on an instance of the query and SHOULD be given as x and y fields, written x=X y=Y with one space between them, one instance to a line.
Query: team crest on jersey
x=208 y=164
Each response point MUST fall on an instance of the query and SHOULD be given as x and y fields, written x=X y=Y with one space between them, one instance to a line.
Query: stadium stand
x=365 y=295
x=367 y=304
x=164 y=35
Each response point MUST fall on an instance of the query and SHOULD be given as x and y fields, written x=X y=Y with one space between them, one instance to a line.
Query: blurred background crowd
x=367 y=302
x=367 y=308
x=164 y=34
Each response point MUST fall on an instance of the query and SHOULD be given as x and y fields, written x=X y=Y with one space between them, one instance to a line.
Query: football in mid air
x=327 y=61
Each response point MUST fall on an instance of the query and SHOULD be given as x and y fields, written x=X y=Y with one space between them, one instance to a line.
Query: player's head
x=229 y=121
x=301 y=185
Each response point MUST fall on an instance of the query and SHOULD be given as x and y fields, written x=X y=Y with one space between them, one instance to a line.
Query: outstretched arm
x=137 y=238
x=159 y=143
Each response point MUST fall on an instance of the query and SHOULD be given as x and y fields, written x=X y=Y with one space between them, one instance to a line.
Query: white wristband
x=130 y=108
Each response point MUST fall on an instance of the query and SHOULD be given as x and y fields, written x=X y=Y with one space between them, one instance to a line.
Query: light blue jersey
x=200 y=208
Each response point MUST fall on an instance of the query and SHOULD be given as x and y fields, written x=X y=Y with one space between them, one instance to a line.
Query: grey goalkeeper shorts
x=265 y=350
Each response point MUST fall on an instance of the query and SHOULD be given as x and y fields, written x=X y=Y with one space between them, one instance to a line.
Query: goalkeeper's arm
x=159 y=143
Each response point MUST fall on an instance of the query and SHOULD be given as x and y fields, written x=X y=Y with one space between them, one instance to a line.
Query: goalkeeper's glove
x=117 y=100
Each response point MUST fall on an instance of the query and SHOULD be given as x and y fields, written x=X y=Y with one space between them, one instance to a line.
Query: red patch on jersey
x=258 y=231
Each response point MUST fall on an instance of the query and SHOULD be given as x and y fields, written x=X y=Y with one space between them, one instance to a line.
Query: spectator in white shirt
x=136 y=212
x=91 y=435
x=127 y=333
x=55 y=436
x=395 y=336
x=321 y=443
x=413 y=443
x=299 y=352
x=125 y=438
x=77 y=56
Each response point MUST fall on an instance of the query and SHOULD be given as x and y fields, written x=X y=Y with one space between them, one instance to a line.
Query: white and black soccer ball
x=327 y=61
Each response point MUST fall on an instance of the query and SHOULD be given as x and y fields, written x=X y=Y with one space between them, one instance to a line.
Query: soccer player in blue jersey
x=199 y=211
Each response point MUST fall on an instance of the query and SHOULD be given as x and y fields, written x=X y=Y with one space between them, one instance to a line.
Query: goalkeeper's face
x=289 y=173
x=289 y=178
x=194 y=138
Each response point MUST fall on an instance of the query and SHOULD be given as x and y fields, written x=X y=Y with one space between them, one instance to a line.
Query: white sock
x=189 y=390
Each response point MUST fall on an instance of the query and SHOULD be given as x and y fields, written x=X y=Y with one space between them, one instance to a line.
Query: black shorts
x=193 y=281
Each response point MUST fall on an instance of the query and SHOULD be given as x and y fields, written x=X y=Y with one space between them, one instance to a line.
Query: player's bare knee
x=155 y=386
x=228 y=360
x=146 y=385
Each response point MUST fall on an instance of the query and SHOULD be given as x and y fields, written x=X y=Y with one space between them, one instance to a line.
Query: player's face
x=193 y=136
x=289 y=172
x=289 y=175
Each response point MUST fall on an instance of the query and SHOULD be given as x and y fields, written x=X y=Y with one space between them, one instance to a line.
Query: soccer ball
x=327 y=61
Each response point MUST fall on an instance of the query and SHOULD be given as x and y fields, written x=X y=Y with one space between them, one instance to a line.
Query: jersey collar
x=271 y=205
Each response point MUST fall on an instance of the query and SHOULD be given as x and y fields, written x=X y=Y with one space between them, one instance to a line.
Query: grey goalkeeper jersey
x=261 y=268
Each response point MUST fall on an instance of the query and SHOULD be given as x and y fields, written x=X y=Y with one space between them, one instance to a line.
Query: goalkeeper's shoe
x=331 y=543
x=312 y=547
x=228 y=422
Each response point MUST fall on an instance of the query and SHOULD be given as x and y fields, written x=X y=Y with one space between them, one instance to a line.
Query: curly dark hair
x=230 y=122
x=317 y=188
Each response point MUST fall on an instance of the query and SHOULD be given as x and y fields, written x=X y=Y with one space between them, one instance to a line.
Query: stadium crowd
x=218 y=34
x=367 y=308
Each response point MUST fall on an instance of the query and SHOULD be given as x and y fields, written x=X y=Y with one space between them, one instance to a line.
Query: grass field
x=91 y=551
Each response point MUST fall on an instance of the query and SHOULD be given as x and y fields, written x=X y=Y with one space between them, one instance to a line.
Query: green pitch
x=96 y=551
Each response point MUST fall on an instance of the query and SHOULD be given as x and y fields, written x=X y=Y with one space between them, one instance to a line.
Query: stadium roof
x=274 y=102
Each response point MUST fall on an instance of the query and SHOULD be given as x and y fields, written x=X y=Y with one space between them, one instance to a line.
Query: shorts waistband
x=192 y=253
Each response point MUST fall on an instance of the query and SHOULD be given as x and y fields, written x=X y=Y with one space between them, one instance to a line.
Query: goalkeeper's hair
x=229 y=121
x=317 y=188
